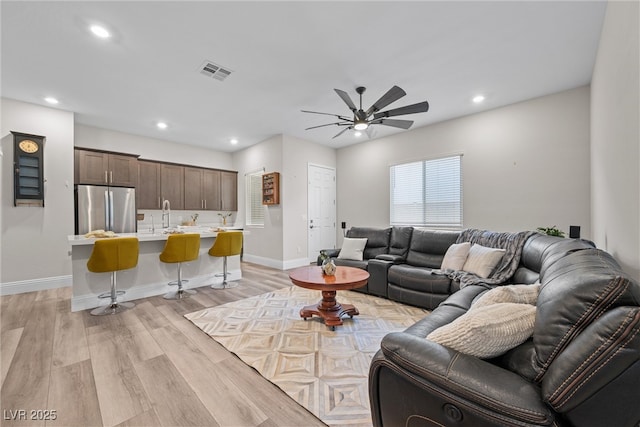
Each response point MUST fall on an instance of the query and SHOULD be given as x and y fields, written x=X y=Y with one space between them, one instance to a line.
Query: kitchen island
x=151 y=276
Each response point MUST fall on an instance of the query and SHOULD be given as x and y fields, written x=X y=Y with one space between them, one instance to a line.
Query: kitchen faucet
x=166 y=212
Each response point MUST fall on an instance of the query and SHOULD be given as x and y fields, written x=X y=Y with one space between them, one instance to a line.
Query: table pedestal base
x=329 y=309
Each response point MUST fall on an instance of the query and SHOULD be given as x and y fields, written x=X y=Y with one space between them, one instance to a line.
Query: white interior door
x=322 y=210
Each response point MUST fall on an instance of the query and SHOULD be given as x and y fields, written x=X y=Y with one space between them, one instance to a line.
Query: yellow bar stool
x=180 y=248
x=227 y=243
x=109 y=256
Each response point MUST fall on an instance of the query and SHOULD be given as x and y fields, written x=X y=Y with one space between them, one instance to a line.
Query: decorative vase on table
x=329 y=267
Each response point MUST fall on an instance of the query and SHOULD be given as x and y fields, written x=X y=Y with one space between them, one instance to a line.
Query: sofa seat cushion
x=488 y=331
x=419 y=279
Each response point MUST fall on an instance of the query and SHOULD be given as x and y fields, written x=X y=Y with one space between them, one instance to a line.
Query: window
x=255 y=210
x=427 y=193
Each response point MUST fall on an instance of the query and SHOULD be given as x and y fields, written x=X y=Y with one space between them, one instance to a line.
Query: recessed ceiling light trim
x=99 y=31
x=478 y=99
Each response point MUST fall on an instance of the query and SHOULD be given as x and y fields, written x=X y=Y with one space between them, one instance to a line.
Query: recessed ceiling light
x=357 y=133
x=51 y=100
x=234 y=141
x=478 y=99
x=99 y=31
x=161 y=125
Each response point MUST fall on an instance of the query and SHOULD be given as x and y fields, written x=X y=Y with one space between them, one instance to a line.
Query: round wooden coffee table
x=328 y=308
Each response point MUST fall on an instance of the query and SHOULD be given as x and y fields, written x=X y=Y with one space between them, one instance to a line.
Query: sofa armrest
x=601 y=365
x=378 y=276
x=478 y=388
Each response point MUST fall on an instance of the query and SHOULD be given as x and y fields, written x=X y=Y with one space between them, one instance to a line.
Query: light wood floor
x=148 y=366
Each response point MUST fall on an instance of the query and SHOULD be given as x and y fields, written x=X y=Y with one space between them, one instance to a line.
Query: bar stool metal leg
x=224 y=274
x=114 y=306
x=179 y=293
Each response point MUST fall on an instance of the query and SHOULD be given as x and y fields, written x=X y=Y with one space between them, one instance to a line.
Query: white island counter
x=151 y=275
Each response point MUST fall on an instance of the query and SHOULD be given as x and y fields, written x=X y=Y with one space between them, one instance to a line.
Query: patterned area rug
x=325 y=371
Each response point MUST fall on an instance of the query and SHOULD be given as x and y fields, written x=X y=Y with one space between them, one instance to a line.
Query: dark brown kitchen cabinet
x=208 y=189
x=102 y=168
x=228 y=191
x=172 y=185
x=148 y=195
x=201 y=188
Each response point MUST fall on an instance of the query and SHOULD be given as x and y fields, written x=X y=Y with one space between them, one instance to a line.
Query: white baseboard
x=295 y=263
x=276 y=263
x=23 y=286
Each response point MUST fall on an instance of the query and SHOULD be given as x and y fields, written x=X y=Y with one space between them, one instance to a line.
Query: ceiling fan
x=362 y=120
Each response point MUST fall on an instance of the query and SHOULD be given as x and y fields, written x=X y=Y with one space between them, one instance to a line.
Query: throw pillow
x=488 y=331
x=455 y=256
x=482 y=260
x=352 y=248
x=519 y=294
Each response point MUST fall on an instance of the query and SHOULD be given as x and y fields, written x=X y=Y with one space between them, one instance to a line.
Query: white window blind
x=255 y=210
x=427 y=193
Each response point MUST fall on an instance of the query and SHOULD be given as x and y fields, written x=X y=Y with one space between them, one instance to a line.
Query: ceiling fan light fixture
x=360 y=125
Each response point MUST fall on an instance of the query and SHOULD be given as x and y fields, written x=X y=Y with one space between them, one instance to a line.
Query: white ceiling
x=288 y=56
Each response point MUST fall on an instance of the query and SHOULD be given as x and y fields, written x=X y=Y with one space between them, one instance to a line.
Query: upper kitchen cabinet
x=228 y=191
x=172 y=185
x=102 y=168
x=148 y=195
x=201 y=189
x=209 y=189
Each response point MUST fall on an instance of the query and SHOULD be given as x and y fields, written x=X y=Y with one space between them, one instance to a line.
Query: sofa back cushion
x=400 y=240
x=540 y=250
x=576 y=290
x=377 y=240
x=428 y=247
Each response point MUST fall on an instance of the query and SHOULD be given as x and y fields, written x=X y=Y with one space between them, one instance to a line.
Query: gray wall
x=615 y=138
x=524 y=166
x=282 y=242
x=34 y=240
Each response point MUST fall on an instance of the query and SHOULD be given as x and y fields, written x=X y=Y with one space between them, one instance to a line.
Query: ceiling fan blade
x=341 y=132
x=347 y=99
x=326 y=114
x=329 y=124
x=402 y=124
x=420 y=107
x=392 y=95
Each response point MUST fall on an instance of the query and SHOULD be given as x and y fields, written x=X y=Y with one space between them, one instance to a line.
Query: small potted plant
x=194 y=218
x=224 y=217
x=328 y=265
x=551 y=231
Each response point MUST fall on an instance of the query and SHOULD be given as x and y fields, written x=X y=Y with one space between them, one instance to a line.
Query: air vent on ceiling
x=210 y=69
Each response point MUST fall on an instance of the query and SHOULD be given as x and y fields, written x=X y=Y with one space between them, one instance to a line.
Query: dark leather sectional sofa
x=580 y=368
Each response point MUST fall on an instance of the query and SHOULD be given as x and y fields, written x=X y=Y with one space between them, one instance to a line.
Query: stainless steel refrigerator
x=105 y=208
